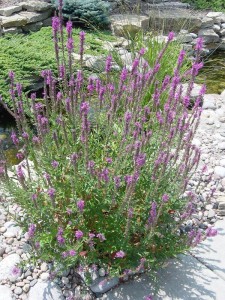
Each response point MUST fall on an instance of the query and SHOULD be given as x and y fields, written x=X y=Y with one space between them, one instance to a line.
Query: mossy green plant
x=28 y=54
x=215 y=5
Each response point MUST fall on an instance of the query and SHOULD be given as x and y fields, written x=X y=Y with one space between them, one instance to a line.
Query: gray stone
x=173 y=19
x=187 y=47
x=65 y=280
x=2 y=250
x=44 y=276
x=18 y=291
x=222 y=32
x=3 y=229
x=185 y=38
x=223 y=25
x=209 y=101
x=211 y=214
x=34 y=17
x=221 y=212
x=221 y=146
x=214 y=15
x=6 y=266
x=14 y=21
x=128 y=25
x=220 y=19
x=12 y=229
x=207 y=22
x=45 y=290
x=8 y=11
x=209 y=36
x=47 y=22
x=38 y=6
x=33 y=282
x=222 y=163
x=33 y=27
x=5 y=293
x=216 y=28
x=221 y=206
x=221 y=46
x=26 y=288
x=104 y=286
x=44 y=267
x=219 y=171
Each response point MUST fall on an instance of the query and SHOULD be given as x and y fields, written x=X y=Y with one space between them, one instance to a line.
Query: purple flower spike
x=54 y=164
x=55 y=24
x=142 y=51
x=82 y=39
x=165 y=198
x=140 y=160
x=31 y=231
x=101 y=237
x=79 y=234
x=80 y=205
x=171 y=36
x=210 y=232
x=14 y=138
x=120 y=254
x=72 y=253
x=51 y=193
x=69 y=27
x=108 y=64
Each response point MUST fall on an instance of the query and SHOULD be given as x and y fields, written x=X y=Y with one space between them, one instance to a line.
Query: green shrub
x=87 y=12
x=108 y=192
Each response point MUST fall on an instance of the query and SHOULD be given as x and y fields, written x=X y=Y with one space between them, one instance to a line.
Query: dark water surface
x=213 y=73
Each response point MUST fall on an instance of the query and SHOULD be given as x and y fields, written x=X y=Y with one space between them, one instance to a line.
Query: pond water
x=7 y=124
x=213 y=73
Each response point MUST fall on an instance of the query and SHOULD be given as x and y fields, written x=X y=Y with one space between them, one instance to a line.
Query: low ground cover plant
x=105 y=169
x=215 y=5
x=28 y=54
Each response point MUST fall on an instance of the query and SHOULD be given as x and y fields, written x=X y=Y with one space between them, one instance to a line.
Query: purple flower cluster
x=59 y=237
x=31 y=231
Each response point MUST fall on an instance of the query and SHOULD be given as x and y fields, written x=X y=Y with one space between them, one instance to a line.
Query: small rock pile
x=25 y=17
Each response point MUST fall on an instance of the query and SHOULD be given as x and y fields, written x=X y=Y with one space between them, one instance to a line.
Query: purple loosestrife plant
x=110 y=165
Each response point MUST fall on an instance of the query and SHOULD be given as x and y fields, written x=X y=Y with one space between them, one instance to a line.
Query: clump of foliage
x=215 y=5
x=28 y=54
x=104 y=172
x=87 y=12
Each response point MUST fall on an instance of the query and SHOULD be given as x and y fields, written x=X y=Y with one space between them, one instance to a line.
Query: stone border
x=211 y=27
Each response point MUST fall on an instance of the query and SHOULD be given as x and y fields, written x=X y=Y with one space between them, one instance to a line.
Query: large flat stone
x=36 y=6
x=209 y=35
x=32 y=27
x=5 y=293
x=125 y=25
x=211 y=251
x=174 y=20
x=33 y=17
x=182 y=279
x=8 y=11
x=45 y=291
x=14 y=21
x=207 y=22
